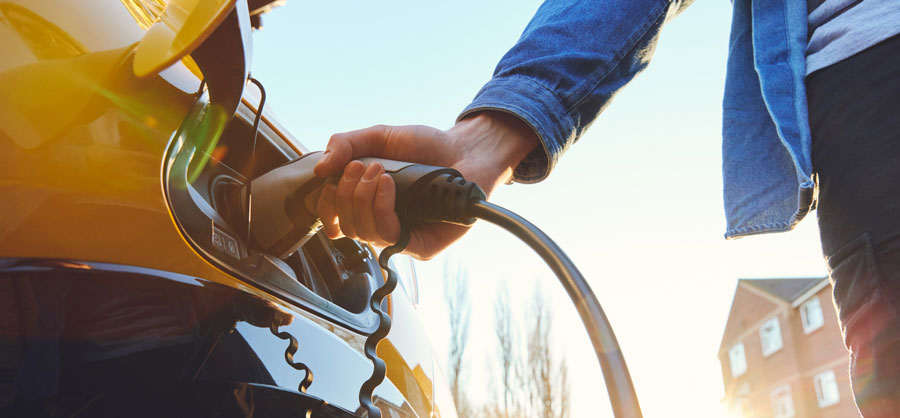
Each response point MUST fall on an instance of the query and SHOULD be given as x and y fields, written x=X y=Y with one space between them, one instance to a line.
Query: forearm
x=494 y=141
x=565 y=69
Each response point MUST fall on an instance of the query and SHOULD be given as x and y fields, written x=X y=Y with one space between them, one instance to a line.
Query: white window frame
x=779 y=409
x=737 y=367
x=827 y=396
x=813 y=323
x=765 y=337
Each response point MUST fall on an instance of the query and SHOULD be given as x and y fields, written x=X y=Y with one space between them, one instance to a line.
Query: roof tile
x=785 y=289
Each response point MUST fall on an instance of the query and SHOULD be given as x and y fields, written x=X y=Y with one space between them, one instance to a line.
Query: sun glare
x=720 y=411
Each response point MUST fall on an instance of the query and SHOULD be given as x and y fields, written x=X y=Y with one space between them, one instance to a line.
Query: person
x=811 y=120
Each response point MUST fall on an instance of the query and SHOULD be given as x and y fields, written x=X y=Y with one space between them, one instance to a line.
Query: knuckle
x=344 y=191
x=362 y=199
x=335 y=139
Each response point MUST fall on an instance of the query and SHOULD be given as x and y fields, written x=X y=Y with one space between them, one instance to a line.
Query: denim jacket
x=576 y=54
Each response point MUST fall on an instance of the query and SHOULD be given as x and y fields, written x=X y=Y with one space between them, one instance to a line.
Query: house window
x=770 y=336
x=782 y=404
x=827 y=391
x=737 y=360
x=811 y=315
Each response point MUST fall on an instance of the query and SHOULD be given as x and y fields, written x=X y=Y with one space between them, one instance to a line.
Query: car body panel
x=83 y=144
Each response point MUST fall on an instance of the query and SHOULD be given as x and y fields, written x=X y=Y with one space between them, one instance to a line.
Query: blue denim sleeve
x=566 y=67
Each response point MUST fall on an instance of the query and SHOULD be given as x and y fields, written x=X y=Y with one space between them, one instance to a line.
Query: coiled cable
x=384 y=325
x=293 y=346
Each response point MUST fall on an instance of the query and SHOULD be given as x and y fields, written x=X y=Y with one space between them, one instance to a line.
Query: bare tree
x=456 y=294
x=547 y=378
x=533 y=380
x=562 y=377
x=508 y=354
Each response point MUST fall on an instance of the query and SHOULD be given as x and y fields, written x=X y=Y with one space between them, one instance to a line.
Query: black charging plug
x=282 y=205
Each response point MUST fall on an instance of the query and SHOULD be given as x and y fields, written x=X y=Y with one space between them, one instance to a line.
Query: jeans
x=854 y=110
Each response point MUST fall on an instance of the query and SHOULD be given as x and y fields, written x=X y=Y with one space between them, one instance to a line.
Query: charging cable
x=621 y=391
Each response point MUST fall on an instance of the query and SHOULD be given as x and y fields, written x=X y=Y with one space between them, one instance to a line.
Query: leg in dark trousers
x=854 y=109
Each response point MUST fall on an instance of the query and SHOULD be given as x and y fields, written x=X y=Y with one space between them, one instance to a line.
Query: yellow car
x=128 y=285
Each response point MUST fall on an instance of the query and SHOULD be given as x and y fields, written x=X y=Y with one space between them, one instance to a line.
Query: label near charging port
x=225 y=243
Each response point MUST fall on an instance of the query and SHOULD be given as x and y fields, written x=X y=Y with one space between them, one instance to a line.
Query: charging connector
x=282 y=202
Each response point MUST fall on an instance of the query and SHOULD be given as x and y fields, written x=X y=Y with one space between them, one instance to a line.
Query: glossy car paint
x=82 y=144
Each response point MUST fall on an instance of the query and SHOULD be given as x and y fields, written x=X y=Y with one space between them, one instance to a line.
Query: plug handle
x=283 y=204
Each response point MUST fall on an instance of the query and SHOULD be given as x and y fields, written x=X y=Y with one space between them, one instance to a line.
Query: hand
x=485 y=148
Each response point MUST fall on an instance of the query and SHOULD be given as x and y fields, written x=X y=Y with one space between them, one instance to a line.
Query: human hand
x=485 y=148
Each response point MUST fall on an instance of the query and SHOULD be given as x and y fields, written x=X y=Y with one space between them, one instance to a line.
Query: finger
x=428 y=241
x=344 y=197
x=327 y=211
x=363 y=203
x=385 y=217
x=345 y=147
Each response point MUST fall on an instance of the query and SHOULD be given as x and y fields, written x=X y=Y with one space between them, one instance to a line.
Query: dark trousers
x=854 y=109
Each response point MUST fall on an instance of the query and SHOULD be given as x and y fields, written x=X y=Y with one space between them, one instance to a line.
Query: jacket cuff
x=538 y=107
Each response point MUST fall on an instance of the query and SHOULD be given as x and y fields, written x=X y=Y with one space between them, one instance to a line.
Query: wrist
x=497 y=141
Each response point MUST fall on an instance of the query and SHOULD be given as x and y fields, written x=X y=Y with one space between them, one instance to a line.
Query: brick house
x=782 y=354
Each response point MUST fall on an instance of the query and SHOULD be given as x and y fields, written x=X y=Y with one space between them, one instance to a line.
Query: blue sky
x=636 y=202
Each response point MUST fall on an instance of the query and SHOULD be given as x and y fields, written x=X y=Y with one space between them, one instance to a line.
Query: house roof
x=787 y=290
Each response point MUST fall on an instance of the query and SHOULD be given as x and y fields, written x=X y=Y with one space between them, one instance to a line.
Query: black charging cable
x=621 y=391
x=379 y=368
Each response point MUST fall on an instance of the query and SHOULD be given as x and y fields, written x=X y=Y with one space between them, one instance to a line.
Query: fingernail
x=383 y=182
x=372 y=171
x=353 y=171
x=325 y=157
